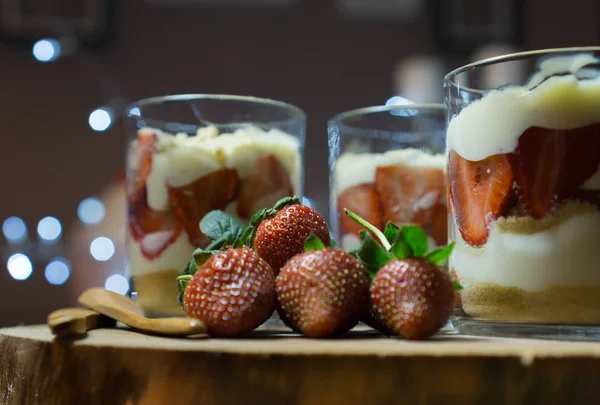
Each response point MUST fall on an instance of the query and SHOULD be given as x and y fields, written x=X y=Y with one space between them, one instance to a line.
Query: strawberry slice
x=270 y=177
x=481 y=191
x=553 y=164
x=363 y=200
x=143 y=163
x=153 y=230
x=193 y=201
x=438 y=228
x=408 y=193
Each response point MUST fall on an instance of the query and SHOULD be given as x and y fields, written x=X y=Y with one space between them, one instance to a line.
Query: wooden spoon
x=125 y=310
x=77 y=321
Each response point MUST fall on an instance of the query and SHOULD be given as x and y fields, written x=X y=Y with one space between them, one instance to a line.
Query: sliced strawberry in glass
x=142 y=156
x=481 y=191
x=438 y=227
x=363 y=200
x=408 y=193
x=193 y=201
x=271 y=178
x=153 y=230
x=553 y=164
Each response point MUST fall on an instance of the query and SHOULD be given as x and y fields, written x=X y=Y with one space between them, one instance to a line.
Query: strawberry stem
x=369 y=227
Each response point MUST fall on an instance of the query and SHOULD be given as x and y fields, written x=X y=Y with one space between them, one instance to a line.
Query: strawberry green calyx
x=395 y=243
x=313 y=242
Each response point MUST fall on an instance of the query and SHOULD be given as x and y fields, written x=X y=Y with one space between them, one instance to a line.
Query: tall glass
x=524 y=182
x=190 y=154
x=387 y=163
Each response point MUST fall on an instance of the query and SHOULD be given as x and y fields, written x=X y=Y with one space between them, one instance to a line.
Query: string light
x=57 y=271
x=117 y=283
x=19 y=266
x=100 y=119
x=47 y=50
x=14 y=229
x=102 y=248
x=49 y=229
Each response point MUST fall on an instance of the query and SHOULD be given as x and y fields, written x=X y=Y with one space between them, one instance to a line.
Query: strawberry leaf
x=391 y=232
x=199 y=257
x=457 y=286
x=416 y=238
x=182 y=283
x=332 y=243
x=217 y=223
x=440 y=255
x=400 y=249
x=313 y=242
x=372 y=255
x=284 y=202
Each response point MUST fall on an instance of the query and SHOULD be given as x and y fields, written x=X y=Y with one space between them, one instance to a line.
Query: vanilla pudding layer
x=352 y=169
x=493 y=124
x=181 y=159
x=535 y=254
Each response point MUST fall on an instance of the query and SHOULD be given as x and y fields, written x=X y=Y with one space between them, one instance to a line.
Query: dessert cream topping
x=353 y=169
x=494 y=123
x=180 y=159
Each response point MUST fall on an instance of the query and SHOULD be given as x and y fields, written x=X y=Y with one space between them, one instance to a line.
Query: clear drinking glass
x=387 y=163
x=524 y=187
x=190 y=154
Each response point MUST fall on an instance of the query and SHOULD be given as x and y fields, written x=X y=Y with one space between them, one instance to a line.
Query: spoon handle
x=77 y=321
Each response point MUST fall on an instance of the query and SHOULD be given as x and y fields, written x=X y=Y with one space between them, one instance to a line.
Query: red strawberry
x=143 y=151
x=321 y=293
x=408 y=193
x=553 y=164
x=481 y=191
x=363 y=200
x=413 y=297
x=192 y=201
x=438 y=228
x=281 y=236
x=233 y=292
x=371 y=317
x=410 y=295
x=153 y=230
x=271 y=177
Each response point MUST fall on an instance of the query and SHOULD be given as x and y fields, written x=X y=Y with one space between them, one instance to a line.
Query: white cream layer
x=565 y=254
x=352 y=169
x=175 y=257
x=180 y=159
x=493 y=124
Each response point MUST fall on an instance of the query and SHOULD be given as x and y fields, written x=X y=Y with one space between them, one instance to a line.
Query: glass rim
x=297 y=111
x=514 y=56
x=340 y=117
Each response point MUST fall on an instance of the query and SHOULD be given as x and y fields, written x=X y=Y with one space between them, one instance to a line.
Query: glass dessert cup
x=524 y=190
x=387 y=164
x=189 y=155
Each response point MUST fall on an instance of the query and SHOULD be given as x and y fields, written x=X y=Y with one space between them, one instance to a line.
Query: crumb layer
x=555 y=304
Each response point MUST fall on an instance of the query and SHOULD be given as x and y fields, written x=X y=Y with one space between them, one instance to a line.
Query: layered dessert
x=176 y=179
x=402 y=186
x=524 y=181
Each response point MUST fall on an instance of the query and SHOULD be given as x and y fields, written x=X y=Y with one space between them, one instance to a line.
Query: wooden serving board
x=274 y=366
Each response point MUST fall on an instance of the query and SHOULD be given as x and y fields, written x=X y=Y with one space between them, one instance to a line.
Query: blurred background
x=69 y=66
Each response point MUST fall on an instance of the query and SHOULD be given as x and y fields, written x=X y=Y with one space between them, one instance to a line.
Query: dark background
x=308 y=54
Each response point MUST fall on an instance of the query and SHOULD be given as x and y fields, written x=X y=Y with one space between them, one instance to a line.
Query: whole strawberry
x=410 y=294
x=281 y=231
x=413 y=297
x=322 y=292
x=232 y=291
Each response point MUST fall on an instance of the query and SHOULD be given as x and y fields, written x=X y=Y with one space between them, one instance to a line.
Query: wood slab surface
x=275 y=366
